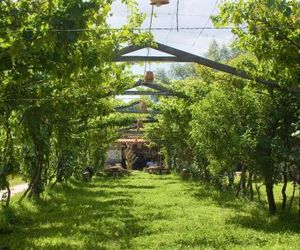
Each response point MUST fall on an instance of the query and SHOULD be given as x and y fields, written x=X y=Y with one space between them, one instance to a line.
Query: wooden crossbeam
x=151 y=85
x=151 y=59
x=155 y=86
x=147 y=93
x=150 y=121
x=131 y=132
x=188 y=57
x=133 y=126
x=127 y=106
x=128 y=128
x=138 y=112
x=162 y=91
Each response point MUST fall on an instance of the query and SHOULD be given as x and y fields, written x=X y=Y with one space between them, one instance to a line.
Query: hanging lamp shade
x=143 y=106
x=149 y=77
x=159 y=2
x=139 y=124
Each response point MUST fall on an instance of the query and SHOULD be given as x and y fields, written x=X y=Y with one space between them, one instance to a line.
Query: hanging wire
x=207 y=21
x=160 y=28
x=177 y=19
x=171 y=27
x=148 y=54
x=183 y=14
x=150 y=28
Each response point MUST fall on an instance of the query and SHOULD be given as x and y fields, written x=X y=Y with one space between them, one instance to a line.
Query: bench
x=116 y=170
x=157 y=170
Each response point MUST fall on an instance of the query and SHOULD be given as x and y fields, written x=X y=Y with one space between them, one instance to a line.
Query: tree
x=57 y=76
x=219 y=54
x=181 y=72
x=271 y=35
x=162 y=76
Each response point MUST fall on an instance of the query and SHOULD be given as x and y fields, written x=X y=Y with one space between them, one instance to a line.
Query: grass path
x=16 y=189
x=143 y=212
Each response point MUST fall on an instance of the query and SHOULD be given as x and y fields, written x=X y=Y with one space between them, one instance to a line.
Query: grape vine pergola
x=175 y=55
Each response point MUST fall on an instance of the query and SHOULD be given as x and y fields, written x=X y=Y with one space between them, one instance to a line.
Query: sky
x=192 y=13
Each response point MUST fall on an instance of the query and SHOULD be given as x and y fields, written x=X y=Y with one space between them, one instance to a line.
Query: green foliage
x=181 y=72
x=171 y=126
x=228 y=124
x=272 y=35
x=57 y=79
x=223 y=53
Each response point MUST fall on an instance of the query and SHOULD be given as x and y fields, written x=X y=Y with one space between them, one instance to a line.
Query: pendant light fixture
x=159 y=2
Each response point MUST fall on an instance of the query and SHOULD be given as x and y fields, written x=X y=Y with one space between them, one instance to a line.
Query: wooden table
x=117 y=170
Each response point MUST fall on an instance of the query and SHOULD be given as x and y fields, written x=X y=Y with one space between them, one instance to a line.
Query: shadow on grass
x=254 y=215
x=277 y=224
x=72 y=217
x=224 y=199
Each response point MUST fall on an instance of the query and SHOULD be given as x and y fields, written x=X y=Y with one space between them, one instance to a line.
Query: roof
x=131 y=140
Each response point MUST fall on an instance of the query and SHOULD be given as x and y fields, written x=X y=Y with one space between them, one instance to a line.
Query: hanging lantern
x=159 y=2
x=139 y=124
x=143 y=106
x=149 y=77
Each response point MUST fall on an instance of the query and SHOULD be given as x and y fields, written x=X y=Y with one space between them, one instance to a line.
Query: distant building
x=141 y=149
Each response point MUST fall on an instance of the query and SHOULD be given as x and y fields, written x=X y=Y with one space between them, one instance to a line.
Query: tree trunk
x=230 y=180
x=244 y=179
x=46 y=170
x=168 y=157
x=293 y=196
x=36 y=183
x=242 y=182
x=299 y=202
x=258 y=192
x=250 y=186
x=270 y=196
x=60 y=170
x=257 y=188
x=283 y=190
x=26 y=192
x=8 y=195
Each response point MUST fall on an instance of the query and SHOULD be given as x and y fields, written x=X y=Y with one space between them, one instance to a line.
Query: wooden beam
x=150 y=121
x=188 y=57
x=127 y=106
x=212 y=64
x=129 y=49
x=133 y=126
x=128 y=128
x=138 y=112
x=147 y=120
x=147 y=93
x=150 y=59
x=131 y=132
x=152 y=85
x=158 y=87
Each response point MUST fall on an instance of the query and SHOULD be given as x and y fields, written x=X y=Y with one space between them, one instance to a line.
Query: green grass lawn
x=143 y=212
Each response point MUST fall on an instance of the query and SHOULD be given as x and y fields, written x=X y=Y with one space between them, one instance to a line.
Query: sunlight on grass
x=143 y=212
x=15 y=180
